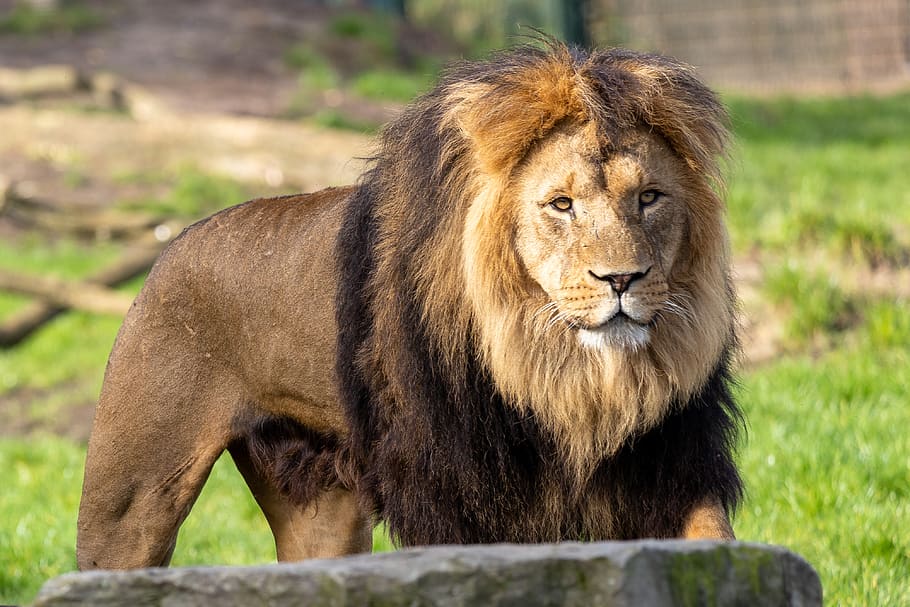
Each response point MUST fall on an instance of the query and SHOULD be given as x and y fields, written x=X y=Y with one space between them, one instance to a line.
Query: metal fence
x=766 y=45
x=799 y=45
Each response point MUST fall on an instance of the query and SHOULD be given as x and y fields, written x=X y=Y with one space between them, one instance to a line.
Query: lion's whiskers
x=548 y=316
x=681 y=310
x=568 y=325
x=548 y=307
x=555 y=318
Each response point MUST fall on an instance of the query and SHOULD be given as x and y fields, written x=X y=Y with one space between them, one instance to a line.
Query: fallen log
x=42 y=81
x=23 y=323
x=29 y=212
x=66 y=293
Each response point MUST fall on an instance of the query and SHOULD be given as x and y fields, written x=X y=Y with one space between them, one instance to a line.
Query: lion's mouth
x=619 y=331
x=619 y=319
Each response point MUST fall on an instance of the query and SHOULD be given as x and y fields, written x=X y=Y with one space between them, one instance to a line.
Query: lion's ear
x=502 y=119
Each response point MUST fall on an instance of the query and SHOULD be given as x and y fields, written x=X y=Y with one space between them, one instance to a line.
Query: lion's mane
x=469 y=421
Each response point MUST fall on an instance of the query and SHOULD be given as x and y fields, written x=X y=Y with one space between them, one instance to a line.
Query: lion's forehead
x=579 y=163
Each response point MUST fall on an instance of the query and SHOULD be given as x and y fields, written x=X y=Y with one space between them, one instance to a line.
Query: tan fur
x=708 y=521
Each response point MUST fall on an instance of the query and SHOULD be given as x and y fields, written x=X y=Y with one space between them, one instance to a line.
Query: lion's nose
x=619 y=282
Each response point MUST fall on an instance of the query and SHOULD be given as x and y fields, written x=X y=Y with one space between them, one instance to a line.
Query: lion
x=519 y=326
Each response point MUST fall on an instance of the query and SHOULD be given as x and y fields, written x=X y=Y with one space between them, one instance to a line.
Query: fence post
x=396 y=7
x=574 y=22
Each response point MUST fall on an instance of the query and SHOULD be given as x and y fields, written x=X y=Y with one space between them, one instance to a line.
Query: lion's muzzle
x=620 y=282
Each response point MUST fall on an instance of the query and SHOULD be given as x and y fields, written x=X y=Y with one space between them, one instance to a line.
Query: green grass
x=302 y=56
x=828 y=460
x=69 y=345
x=392 y=84
x=65 y=258
x=193 y=194
x=374 y=65
x=812 y=302
x=828 y=174
x=27 y=20
x=374 y=32
x=334 y=119
x=59 y=353
x=42 y=478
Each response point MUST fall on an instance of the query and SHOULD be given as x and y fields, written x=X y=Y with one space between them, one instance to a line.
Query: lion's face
x=591 y=241
x=598 y=232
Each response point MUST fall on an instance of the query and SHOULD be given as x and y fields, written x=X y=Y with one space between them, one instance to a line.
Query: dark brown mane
x=442 y=457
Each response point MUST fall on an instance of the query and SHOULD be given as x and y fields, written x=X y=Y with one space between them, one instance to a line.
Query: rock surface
x=612 y=574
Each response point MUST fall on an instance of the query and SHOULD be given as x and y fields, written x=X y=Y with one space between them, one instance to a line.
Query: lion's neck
x=593 y=400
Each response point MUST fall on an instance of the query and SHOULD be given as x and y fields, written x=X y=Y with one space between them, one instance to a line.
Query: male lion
x=517 y=327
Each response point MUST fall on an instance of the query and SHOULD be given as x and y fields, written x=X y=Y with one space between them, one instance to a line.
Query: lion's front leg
x=159 y=427
x=708 y=521
x=140 y=483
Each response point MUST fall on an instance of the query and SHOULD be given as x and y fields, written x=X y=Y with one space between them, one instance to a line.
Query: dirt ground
x=207 y=82
x=205 y=55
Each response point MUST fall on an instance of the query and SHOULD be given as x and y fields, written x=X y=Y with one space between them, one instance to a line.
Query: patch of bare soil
x=763 y=327
x=206 y=55
x=73 y=420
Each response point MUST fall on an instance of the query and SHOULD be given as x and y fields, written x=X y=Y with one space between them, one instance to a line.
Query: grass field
x=820 y=192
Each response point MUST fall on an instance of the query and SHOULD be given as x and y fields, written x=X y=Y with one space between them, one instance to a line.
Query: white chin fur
x=621 y=334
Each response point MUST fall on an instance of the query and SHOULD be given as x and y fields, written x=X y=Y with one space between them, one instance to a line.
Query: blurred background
x=123 y=121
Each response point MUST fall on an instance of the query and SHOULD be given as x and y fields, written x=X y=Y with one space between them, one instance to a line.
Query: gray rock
x=611 y=574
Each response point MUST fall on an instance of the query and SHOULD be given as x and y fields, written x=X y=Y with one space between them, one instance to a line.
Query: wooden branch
x=102 y=224
x=70 y=294
x=41 y=81
x=21 y=324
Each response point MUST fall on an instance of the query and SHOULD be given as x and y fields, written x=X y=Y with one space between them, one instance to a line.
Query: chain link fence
x=748 y=45
x=770 y=45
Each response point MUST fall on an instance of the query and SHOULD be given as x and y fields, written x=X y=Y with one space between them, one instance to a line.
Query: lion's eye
x=562 y=203
x=649 y=197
